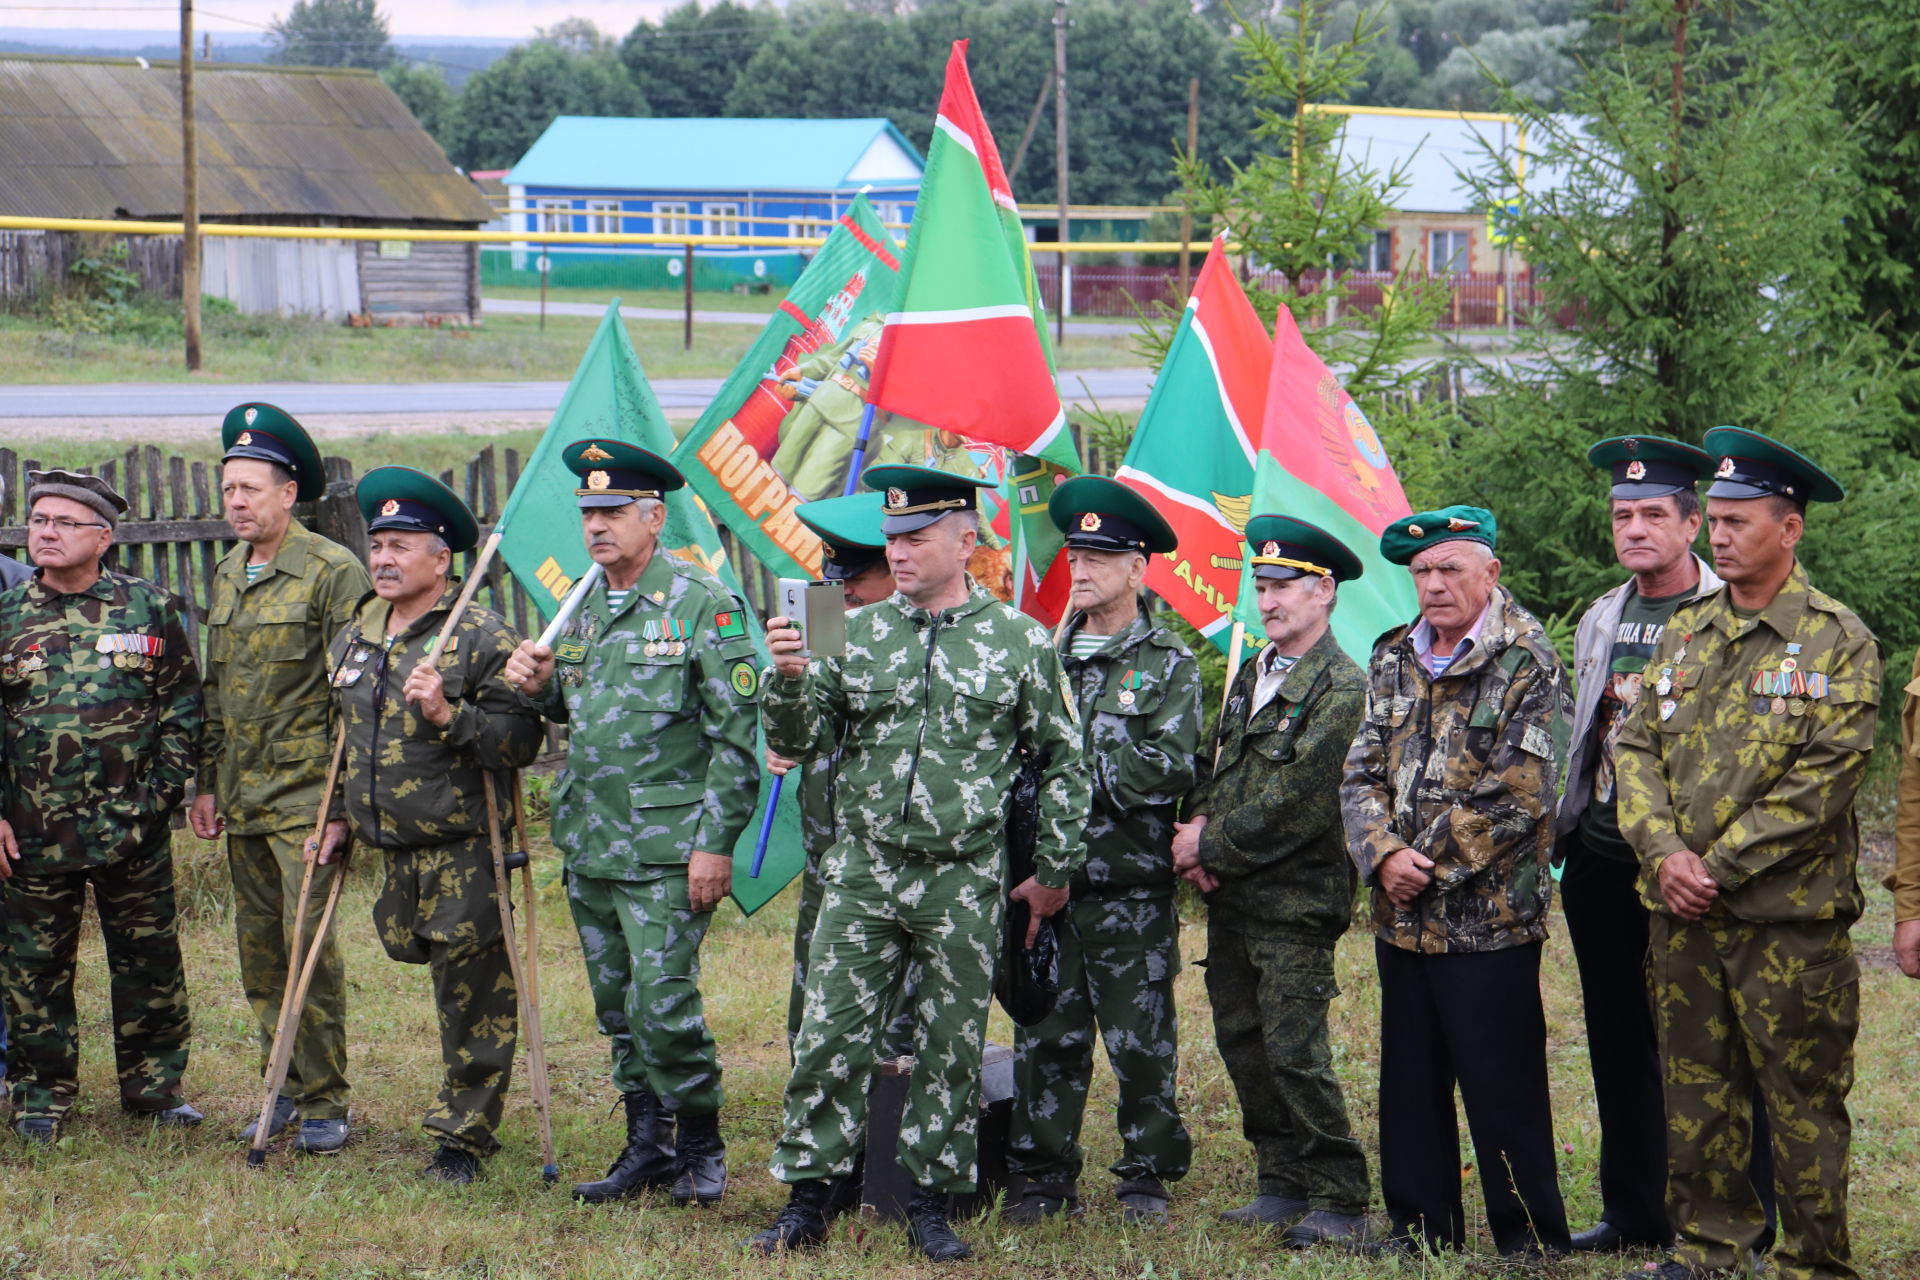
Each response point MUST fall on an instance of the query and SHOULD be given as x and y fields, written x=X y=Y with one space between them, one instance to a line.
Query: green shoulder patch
x=730 y=622
x=744 y=678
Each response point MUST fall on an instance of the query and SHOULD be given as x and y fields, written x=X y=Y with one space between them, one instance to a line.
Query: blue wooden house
x=697 y=177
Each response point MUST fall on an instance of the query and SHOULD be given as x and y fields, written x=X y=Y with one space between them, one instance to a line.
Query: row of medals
x=659 y=645
x=128 y=652
x=1772 y=688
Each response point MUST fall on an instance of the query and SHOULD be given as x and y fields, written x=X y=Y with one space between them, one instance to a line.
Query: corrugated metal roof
x=99 y=138
x=624 y=153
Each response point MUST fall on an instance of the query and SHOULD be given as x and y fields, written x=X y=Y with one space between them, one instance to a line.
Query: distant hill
x=456 y=57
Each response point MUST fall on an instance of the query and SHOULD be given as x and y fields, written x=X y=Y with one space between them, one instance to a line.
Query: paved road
x=163 y=400
x=531 y=307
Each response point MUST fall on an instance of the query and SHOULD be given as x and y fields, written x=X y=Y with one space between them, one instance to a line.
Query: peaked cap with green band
x=270 y=434
x=1284 y=548
x=413 y=501
x=616 y=473
x=1100 y=514
x=1750 y=465
x=850 y=539
x=1649 y=466
x=917 y=496
x=1408 y=536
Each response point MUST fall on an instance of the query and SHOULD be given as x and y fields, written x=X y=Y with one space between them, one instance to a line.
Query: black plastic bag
x=1028 y=984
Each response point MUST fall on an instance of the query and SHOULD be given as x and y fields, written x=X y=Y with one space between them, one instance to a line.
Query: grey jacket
x=1592 y=645
x=13 y=571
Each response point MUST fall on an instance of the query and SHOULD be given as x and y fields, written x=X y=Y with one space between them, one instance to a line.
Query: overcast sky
x=446 y=18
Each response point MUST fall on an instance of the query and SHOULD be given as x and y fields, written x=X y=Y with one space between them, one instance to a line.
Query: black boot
x=803 y=1223
x=846 y=1191
x=702 y=1162
x=927 y=1224
x=648 y=1162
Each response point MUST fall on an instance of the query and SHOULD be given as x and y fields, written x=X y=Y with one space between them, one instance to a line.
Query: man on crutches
x=430 y=750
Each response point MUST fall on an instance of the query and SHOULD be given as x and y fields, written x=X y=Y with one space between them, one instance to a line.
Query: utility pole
x=1186 y=208
x=1060 y=160
x=190 y=195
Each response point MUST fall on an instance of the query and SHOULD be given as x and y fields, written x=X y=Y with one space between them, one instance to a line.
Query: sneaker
x=1324 y=1226
x=184 y=1116
x=453 y=1165
x=283 y=1113
x=1143 y=1202
x=38 y=1131
x=321 y=1137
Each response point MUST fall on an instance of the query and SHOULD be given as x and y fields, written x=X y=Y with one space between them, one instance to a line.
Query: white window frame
x=1380 y=251
x=1460 y=258
x=553 y=216
x=721 y=217
x=812 y=228
x=603 y=216
x=672 y=218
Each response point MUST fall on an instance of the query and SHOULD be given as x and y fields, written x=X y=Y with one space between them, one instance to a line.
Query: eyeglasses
x=41 y=523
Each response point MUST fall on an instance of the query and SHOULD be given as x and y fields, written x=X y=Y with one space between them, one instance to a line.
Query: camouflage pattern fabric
x=1139 y=703
x=1764 y=987
x=1463 y=768
x=133 y=897
x=1904 y=879
x=641 y=940
x=266 y=871
x=102 y=734
x=1273 y=838
x=438 y=907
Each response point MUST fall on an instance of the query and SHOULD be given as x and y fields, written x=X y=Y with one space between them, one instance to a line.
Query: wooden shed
x=288 y=146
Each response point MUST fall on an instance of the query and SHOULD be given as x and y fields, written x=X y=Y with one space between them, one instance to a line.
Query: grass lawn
x=115 y=1199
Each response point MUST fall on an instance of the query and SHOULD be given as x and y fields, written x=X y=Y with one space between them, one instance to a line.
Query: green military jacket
x=103 y=718
x=660 y=697
x=816 y=778
x=1273 y=835
x=409 y=784
x=267 y=747
x=1761 y=789
x=1139 y=701
x=929 y=713
x=1463 y=768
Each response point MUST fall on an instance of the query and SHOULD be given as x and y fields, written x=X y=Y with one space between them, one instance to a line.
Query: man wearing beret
x=942 y=690
x=278 y=598
x=1448 y=805
x=102 y=732
x=1737 y=780
x=657 y=677
x=421 y=738
x=1263 y=841
x=1138 y=690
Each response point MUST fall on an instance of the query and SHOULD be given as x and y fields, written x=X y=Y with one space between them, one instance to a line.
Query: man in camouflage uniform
x=1138 y=690
x=279 y=597
x=12 y=573
x=941 y=689
x=1904 y=879
x=102 y=731
x=1448 y=805
x=657 y=677
x=1263 y=841
x=1737 y=781
x=421 y=738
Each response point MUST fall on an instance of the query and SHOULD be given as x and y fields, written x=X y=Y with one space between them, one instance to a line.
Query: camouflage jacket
x=267 y=747
x=816 y=778
x=102 y=733
x=660 y=697
x=1765 y=796
x=407 y=783
x=1464 y=769
x=929 y=712
x=1139 y=703
x=1273 y=832
x=1904 y=879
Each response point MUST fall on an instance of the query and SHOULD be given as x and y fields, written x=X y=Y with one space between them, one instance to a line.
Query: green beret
x=850 y=539
x=1104 y=515
x=1752 y=466
x=1408 y=536
x=917 y=496
x=1283 y=548
x=617 y=473
x=413 y=501
x=1648 y=466
x=269 y=433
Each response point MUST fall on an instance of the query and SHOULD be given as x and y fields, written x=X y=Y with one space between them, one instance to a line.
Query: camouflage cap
x=1408 y=536
x=91 y=490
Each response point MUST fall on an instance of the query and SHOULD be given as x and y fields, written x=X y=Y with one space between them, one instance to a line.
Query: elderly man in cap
x=102 y=732
x=1138 y=690
x=1737 y=781
x=657 y=677
x=1448 y=805
x=279 y=597
x=12 y=572
x=422 y=738
x=1263 y=841
x=942 y=690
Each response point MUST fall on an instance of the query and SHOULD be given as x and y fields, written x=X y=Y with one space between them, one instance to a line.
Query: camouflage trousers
x=1776 y=1005
x=898 y=1039
x=880 y=914
x=1270 y=995
x=438 y=907
x=147 y=988
x=641 y=940
x=267 y=870
x=1118 y=958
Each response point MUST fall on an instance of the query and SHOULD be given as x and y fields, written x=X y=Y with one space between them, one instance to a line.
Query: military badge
x=1272 y=549
x=594 y=453
x=1456 y=525
x=570 y=651
x=251 y=414
x=1725 y=470
x=896 y=498
x=1667 y=707
x=598 y=480
x=390 y=507
x=246 y=437
x=1416 y=531
x=1090 y=523
x=743 y=679
x=1636 y=470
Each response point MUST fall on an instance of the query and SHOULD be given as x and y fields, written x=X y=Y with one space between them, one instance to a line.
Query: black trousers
x=1607 y=924
x=1475 y=1020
